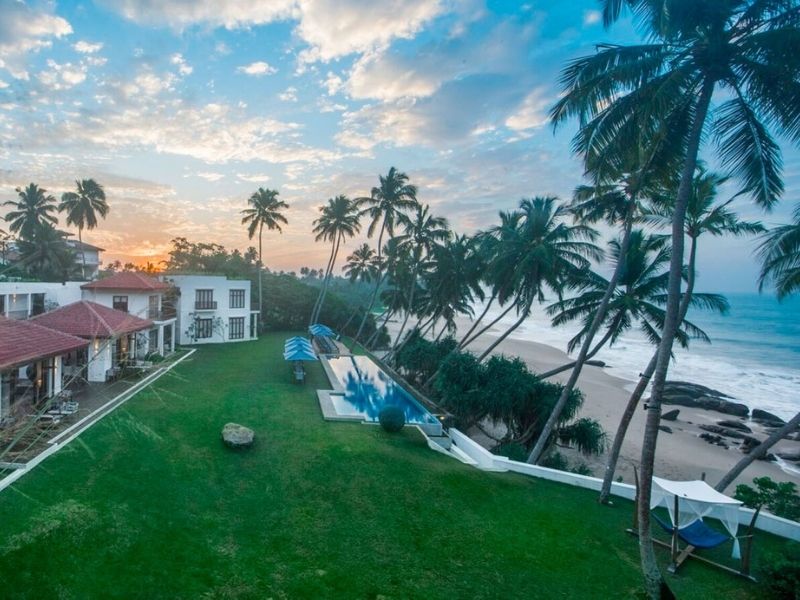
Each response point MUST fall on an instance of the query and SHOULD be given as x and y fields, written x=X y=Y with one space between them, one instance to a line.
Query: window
x=236 y=328
x=2 y=304
x=203 y=328
x=204 y=300
x=237 y=298
x=153 y=341
x=120 y=303
x=152 y=307
x=37 y=304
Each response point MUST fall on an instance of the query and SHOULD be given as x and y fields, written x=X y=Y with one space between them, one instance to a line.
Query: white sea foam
x=733 y=370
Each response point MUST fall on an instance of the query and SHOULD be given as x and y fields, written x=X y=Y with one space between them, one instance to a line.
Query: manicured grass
x=149 y=503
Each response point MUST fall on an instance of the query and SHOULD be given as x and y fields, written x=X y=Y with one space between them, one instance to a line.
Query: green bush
x=392 y=418
x=511 y=450
x=781 y=574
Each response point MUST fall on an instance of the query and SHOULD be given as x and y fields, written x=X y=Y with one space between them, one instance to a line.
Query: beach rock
x=748 y=443
x=768 y=457
x=692 y=390
x=731 y=424
x=714 y=439
x=237 y=436
x=731 y=433
x=792 y=456
x=596 y=363
x=708 y=403
x=665 y=429
x=767 y=418
x=671 y=415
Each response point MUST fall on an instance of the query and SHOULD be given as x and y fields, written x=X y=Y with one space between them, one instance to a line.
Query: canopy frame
x=679 y=555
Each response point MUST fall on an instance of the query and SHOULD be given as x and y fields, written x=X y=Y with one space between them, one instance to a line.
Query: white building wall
x=18 y=300
x=138 y=302
x=99 y=359
x=221 y=315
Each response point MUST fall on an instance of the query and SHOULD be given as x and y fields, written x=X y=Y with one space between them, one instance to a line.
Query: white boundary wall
x=485 y=460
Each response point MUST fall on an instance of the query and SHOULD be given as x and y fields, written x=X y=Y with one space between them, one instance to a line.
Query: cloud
x=333 y=83
x=183 y=67
x=592 y=17
x=62 y=76
x=532 y=113
x=222 y=48
x=253 y=178
x=25 y=29
x=257 y=69
x=288 y=95
x=85 y=47
x=210 y=176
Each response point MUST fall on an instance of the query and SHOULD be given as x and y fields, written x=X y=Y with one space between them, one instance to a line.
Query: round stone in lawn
x=237 y=436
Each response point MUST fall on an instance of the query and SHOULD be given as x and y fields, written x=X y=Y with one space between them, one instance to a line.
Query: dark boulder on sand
x=731 y=433
x=738 y=425
x=671 y=415
x=694 y=395
x=767 y=418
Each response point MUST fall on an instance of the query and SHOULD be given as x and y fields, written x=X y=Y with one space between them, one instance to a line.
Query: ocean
x=754 y=354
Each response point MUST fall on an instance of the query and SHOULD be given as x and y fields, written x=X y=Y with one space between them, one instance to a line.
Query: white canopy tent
x=688 y=502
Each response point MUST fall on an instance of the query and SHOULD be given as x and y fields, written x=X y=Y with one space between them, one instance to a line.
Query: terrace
x=149 y=502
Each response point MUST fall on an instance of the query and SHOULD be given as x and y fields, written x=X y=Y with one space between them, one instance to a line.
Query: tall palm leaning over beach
x=82 y=208
x=704 y=216
x=539 y=251
x=391 y=198
x=265 y=211
x=339 y=219
x=745 y=48
x=423 y=232
x=617 y=197
x=35 y=207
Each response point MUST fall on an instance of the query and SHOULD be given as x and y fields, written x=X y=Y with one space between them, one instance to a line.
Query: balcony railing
x=161 y=315
x=205 y=305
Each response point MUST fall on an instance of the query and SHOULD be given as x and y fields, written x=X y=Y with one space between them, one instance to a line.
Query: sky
x=182 y=109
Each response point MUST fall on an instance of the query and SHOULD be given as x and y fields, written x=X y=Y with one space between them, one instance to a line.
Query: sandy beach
x=680 y=455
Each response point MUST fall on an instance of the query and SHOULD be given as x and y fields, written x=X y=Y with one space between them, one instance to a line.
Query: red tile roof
x=91 y=320
x=127 y=280
x=22 y=342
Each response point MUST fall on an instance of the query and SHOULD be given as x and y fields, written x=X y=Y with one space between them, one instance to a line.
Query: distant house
x=91 y=256
x=31 y=361
x=142 y=296
x=24 y=299
x=115 y=337
x=213 y=309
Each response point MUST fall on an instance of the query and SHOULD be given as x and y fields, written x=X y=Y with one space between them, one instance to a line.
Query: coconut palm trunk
x=597 y=321
x=477 y=321
x=524 y=315
x=410 y=306
x=591 y=354
x=260 y=278
x=83 y=254
x=466 y=342
x=641 y=386
x=317 y=302
x=378 y=282
x=758 y=452
x=328 y=280
x=650 y=570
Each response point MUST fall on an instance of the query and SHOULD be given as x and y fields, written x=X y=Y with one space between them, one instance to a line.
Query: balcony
x=205 y=305
x=162 y=315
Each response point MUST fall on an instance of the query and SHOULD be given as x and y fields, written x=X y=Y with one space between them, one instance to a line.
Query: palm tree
x=339 y=219
x=538 y=251
x=703 y=216
x=616 y=198
x=265 y=210
x=361 y=267
x=386 y=202
x=453 y=282
x=422 y=233
x=46 y=255
x=82 y=208
x=780 y=255
x=34 y=208
x=694 y=48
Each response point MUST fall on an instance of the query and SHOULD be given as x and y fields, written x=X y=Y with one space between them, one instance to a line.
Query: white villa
x=213 y=309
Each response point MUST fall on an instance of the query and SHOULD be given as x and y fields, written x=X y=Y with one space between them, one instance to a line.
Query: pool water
x=367 y=390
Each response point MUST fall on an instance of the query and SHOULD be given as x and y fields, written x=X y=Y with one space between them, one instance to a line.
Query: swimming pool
x=365 y=389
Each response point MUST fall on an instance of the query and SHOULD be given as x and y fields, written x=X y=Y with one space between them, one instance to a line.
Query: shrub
x=781 y=574
x=511 y=450
x=392 y=418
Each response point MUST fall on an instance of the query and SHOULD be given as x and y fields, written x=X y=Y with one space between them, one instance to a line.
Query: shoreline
x=681 y=454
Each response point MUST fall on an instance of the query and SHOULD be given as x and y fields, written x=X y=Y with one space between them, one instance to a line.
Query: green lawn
x=148 y=503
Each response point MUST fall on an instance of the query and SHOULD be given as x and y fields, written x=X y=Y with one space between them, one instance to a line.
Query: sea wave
x=734 y=367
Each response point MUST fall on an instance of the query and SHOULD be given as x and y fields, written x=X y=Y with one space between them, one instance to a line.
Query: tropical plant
x=82 y=208
x=780 y=255
x=743 y=47
x=339 y=219
x=265 y=210
x=34 y=207
x=538 y=251
x=423 y=232
x=44 y=254
x=361 y=267
x=391 y=198
x=704 y=216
